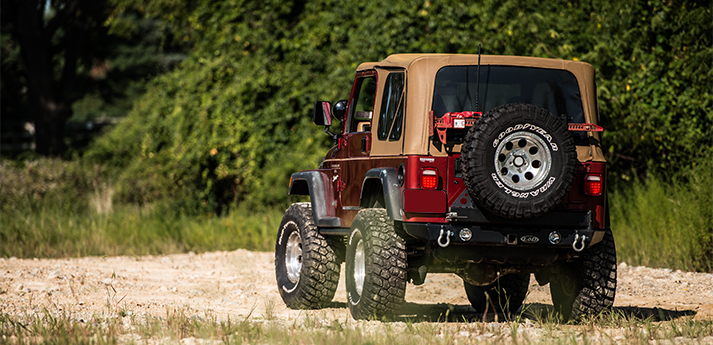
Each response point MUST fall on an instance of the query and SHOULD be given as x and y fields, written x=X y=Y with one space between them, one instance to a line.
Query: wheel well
x=316 y=185
x=372 y=194
x=299 y=187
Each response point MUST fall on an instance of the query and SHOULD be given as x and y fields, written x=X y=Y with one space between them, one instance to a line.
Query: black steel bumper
x=470 y=226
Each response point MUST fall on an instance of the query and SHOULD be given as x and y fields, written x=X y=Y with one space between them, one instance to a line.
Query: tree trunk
x=50 y=97
x=50 y=120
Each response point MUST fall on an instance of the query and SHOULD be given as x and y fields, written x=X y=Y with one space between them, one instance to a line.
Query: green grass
x=313 y=327
x=661 y=224
x=53 y=208
x=133 y=230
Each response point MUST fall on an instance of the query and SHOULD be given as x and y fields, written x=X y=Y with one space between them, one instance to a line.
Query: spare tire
x=518 y=161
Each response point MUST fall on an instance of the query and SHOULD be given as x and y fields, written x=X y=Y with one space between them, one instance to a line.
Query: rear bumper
x=536 y=237
x=513 y=246
x=471 y=226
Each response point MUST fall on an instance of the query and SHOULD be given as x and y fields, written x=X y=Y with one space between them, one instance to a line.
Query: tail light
x=593 y=185
x=429 y=178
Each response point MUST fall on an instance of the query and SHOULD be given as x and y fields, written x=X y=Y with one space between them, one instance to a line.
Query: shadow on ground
x=655 y=314
x=442 y=312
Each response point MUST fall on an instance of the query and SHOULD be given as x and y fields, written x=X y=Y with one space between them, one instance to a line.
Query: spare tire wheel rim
x=293 y=257
x=359 y=267
x=523 y=160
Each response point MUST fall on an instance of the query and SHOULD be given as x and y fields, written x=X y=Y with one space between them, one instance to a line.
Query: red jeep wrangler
x=489 y=169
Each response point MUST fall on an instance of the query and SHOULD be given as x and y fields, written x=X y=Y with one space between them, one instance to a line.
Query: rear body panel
x=421 y=205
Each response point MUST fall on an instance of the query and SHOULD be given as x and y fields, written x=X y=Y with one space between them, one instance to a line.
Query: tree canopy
x=232 y=122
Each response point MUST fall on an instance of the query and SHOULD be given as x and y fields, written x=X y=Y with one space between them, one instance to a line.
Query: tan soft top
x=421 y=70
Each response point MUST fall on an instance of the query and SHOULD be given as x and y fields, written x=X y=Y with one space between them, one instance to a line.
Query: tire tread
x=319 y=275
x=385 y=279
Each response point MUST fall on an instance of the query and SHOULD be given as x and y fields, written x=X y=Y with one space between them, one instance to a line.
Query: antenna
x=477 y=90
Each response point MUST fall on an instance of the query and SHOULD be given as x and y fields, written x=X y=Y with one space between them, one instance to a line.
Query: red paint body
x=431 y=205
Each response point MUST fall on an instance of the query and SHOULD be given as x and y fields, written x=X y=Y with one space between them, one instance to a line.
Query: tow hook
x=578 y=238
x=447 y=235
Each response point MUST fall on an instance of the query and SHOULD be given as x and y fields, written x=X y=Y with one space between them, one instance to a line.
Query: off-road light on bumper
x=465 y=234
x=555 y=237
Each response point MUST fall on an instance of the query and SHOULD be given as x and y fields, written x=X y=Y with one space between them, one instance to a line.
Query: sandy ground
x=241 y=283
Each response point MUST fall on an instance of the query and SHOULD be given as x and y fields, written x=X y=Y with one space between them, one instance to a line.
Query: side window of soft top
x=392 y=108
x=363 y=107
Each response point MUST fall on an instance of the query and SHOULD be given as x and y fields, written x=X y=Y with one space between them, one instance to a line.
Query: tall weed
x=666 y=224
x=54 y=208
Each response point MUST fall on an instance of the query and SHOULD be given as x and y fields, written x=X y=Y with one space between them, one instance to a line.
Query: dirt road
x=242 y=283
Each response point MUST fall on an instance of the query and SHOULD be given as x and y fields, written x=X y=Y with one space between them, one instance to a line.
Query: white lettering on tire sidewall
x=352 y=301
x=523 y=195
x=528 y=127
x=282 y=231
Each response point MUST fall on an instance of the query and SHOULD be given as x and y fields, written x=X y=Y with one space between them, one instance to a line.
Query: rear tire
x=507 y=293
x=375 y=266
x=588 y=286
x=306 y=263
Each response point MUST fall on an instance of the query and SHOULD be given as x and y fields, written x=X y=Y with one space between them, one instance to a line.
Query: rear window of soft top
x=555 y=90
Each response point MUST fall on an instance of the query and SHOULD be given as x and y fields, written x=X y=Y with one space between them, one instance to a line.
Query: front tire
x=506 y=294
x=306 y=263
x=375 y=266
x=588 y=286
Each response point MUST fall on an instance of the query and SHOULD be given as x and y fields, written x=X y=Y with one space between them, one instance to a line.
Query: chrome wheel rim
x=359 y=267
x=293 y=257
x=523 y=160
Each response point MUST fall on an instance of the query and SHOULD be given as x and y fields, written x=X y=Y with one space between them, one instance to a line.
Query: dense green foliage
x=233 y=122
x=130 y=54
x=656 y=86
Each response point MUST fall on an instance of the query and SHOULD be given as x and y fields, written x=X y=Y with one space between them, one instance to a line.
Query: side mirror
x=340 y=110
x=322 y=114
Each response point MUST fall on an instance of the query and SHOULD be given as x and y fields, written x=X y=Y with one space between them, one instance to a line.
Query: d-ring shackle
x=580 y=239
x=448 y=235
